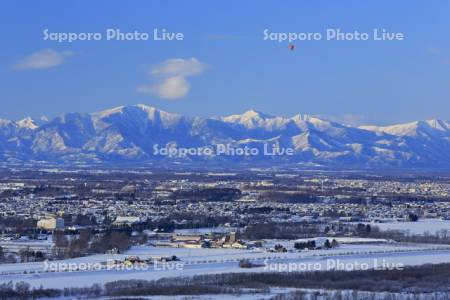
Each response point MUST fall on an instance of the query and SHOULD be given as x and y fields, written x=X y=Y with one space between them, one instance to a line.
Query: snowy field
x=209 y=261
x=431 y=226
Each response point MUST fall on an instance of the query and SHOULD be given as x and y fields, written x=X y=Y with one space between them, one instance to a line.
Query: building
x=126 y=220
x=51 y=223
x=187 y=238
x=18 y=245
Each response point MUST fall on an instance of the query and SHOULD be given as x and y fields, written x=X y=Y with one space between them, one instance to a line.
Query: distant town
x=42 y=210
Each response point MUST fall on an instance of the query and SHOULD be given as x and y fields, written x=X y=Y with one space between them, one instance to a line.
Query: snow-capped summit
x=107 y=112
x=43 y=119
x=427 y=128
x=303 y=117
x=4 y=123
x=150 y=111
x=27 y=123
x=253 y=119
x=254 y=114
x=246 y=117
x=438 y=124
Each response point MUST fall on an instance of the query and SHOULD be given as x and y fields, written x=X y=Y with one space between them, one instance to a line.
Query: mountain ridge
x=130 y=133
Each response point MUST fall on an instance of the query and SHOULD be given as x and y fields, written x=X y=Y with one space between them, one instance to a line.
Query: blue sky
x=234 y=68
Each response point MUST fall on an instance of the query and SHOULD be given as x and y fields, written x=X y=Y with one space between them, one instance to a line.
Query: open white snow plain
x=422 y=226
x=212 y=261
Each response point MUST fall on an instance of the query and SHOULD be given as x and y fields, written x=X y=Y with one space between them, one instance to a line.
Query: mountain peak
x=141 y=114
x=302 y=117
x=145 y=107
x=432 y=126
x=44 y=119
x=28 y=123
x=250 y=114
x=121 y=109
x=4 y=122
x=438 y=124
x=110 y=111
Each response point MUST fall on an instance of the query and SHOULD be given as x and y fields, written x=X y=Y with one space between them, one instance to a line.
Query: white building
x=51 y=223
x=126 y=220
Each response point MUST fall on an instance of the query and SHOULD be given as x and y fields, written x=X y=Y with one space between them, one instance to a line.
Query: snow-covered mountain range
x=130 y=133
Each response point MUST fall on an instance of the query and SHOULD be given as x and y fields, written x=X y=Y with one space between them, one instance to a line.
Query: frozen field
x=420 y=227
x=209 y=261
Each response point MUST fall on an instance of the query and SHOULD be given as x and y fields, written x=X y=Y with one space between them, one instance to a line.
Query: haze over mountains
x=129 y=133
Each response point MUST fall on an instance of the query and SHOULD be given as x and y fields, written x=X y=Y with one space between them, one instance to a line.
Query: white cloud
x=170 y=77
x=169 y=88
x=44 y=59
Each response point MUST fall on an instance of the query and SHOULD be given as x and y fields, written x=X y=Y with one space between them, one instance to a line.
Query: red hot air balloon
x=291 y=47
